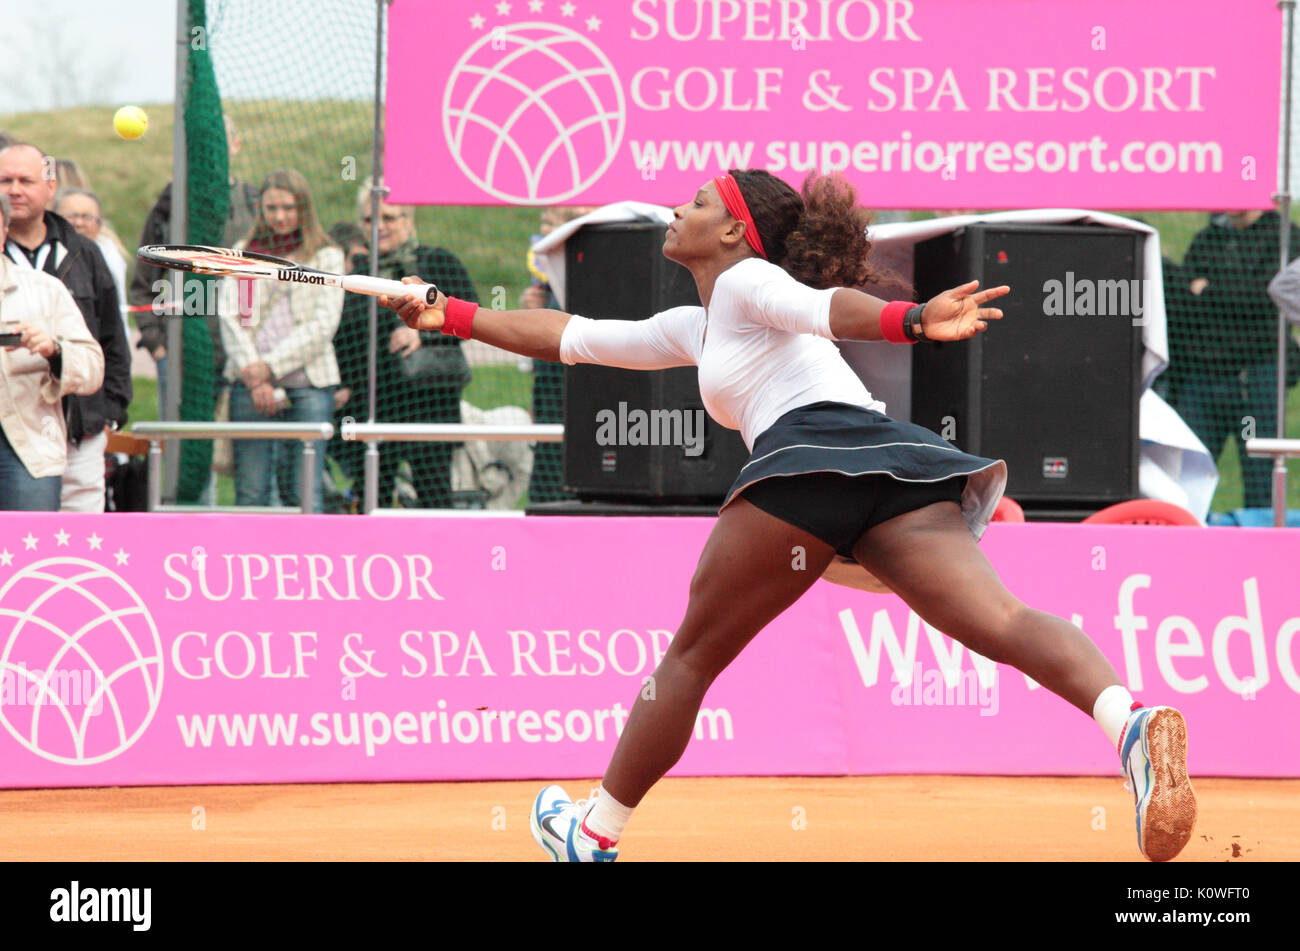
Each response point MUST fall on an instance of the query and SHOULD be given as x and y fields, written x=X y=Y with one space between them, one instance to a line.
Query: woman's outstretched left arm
x=956 y=314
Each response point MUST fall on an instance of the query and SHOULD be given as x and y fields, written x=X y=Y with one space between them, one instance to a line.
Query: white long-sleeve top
x=763 y=347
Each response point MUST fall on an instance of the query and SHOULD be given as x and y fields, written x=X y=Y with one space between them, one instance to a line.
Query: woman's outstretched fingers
x=992 y=293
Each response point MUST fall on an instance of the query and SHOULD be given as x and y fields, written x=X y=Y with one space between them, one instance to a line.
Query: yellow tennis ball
x=130 y=122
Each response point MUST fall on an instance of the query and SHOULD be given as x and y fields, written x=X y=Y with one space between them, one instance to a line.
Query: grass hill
x=329 y=142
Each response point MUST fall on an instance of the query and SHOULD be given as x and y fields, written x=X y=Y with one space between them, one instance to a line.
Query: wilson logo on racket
x=299 y=277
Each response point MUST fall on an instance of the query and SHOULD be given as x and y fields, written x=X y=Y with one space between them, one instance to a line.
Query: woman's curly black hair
x=819 y=237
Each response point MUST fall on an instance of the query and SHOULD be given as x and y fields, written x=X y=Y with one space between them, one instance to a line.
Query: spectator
x=1223 y=339
x=44 y=241
x=354 y=242
x=240 y=216
x=278 y=341
x=69 y=176
x=419 y=376
x=1183 y=348
x=83 y=210
x=56 y=356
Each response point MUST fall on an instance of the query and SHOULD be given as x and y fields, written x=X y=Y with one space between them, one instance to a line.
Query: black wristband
x=912 y=323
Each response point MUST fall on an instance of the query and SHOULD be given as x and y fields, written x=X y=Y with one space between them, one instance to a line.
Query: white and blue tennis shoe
x=1153 y=749
x=556 y=824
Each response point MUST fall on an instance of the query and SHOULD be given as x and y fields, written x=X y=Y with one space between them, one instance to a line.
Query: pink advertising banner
x=174 y=649
x=921 y=103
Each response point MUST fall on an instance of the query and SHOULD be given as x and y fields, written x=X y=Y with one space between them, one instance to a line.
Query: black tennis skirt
x=830 y=437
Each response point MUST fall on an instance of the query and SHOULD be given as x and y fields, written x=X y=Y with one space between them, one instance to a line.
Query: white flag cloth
x=548 y=252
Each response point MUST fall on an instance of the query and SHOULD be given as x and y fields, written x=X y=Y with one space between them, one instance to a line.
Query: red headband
x=734 y=202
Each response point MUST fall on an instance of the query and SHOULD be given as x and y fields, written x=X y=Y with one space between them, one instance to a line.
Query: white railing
x=370 y=433
x=1279 y=450
x=159 y=432
x=375 y=433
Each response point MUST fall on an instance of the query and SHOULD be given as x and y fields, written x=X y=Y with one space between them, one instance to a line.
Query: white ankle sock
x=608 y=817
x=1111 y=711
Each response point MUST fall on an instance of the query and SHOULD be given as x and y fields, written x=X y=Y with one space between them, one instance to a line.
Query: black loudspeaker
x=1053 y=387
x=635 y=434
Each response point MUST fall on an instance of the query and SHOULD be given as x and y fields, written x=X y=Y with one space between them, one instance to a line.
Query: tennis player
x=828 y=473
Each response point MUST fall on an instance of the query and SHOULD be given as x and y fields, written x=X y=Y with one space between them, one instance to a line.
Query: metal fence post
x=308 y=476
x=155 y=473
x=370 y=500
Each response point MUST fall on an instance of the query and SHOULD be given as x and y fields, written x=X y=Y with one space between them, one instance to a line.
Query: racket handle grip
x=375 y=286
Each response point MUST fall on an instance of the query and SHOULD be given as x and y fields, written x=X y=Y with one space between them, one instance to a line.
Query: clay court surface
x=881 y=818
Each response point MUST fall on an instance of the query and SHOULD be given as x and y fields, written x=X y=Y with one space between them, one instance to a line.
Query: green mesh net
x=1223 y=345
x=313 y=115
x=207 y=202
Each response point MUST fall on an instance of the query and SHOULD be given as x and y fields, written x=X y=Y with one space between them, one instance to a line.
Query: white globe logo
x=533 y=113
x=75 y=619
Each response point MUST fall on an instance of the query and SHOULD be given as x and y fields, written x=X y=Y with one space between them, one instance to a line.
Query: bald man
x=42 y=240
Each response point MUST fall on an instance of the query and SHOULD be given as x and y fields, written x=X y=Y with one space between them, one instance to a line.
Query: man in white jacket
x=48 y=353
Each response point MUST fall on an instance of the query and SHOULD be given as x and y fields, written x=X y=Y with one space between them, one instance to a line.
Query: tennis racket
x=228 y=262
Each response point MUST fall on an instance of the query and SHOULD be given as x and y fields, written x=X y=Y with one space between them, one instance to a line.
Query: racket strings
x=227 y=263
x=217 y=261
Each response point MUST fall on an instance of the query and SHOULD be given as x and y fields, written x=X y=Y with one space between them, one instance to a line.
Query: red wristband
x=891 y=321
x=460 y=317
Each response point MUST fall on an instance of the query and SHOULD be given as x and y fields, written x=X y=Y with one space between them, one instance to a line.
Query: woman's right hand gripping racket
x=414 y=310
x=229 y=262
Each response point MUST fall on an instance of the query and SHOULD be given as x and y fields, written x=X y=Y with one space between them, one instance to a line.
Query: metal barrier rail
x=1279 y=450
x=159 y=432
x=370 y=433
x=448 y=432
x=374 y=433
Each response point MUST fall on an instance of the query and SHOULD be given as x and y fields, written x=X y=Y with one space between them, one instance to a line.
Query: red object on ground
x=1143 y=512
x=1008 y=510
